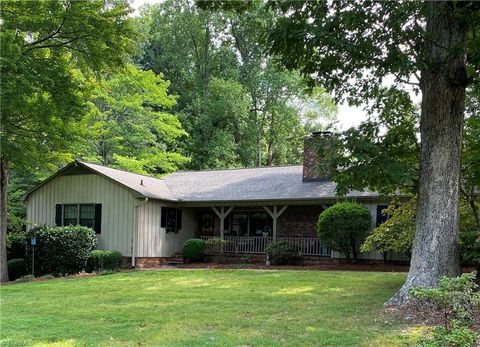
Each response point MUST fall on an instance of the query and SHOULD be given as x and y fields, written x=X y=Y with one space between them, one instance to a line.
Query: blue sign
x=33 y=241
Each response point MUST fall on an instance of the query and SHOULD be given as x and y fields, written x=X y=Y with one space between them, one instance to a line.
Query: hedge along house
x=149 y=219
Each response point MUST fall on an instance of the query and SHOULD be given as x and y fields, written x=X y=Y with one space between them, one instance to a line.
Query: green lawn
x=202 y=308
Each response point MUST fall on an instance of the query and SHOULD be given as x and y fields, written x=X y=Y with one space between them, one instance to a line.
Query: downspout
x=135 y=231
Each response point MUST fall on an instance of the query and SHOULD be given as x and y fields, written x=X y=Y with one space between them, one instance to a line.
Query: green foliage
x=16 y=244
x=219 y=125
x=16 y=269
x=350 y=47
x=343 y=226
x=456 y=336
x=128 y=125
x=61 y=250
x=470 y=248
x=99 y=260
x=194 y=249
x=48 y=52
x=397 y=233
x=64 y=42
x=458 y=302
x=381 y=153
x=240 y=108
x=282 y=253
x=215 y=245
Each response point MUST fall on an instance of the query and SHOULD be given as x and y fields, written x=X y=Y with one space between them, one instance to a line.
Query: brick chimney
x=312 y=146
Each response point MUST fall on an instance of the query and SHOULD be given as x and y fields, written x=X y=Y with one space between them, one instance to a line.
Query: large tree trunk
x=435 y=250
x=3 y=220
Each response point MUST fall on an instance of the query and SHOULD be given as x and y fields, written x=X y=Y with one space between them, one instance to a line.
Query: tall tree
x=129 y=125
x=48 y=50
x=350 y=47
x=194 y=48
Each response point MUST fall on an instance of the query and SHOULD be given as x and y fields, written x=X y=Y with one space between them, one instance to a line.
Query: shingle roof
x=146 y=186
x=235 y=185
x=265 y=183
x=252 y=184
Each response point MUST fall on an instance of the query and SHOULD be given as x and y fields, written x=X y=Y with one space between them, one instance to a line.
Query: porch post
x=275 y=222
x=222 y=222
x=222 y=214
x=275 y=214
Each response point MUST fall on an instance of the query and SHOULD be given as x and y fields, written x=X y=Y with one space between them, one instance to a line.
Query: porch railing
x=258 y=245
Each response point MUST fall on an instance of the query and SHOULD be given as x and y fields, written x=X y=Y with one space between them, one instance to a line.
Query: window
x=171 y=219
x=381 y=218
x=88 y=215
x=70 y=215
x=206 y=222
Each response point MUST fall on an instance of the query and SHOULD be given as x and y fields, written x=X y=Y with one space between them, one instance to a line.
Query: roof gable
x=141 y=185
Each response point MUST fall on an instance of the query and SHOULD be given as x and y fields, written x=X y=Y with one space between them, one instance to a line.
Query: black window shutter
x=58 y=215
x=98 y=219
x=381 y=218
x=163 y=218
x=179 y=219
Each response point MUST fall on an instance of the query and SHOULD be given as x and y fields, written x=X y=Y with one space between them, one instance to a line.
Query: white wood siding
x=153 y=240
x=117 y=206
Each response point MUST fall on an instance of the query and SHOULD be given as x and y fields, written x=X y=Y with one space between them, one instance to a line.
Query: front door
x=240 y=224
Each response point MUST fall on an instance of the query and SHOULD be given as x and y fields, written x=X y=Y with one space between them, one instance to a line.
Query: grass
x=202 y=308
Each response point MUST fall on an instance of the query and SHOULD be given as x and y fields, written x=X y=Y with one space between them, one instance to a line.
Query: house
x=148 y=218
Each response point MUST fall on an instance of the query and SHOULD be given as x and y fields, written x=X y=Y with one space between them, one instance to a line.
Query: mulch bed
x=378 y=267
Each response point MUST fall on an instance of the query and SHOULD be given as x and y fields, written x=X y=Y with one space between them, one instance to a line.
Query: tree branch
x=48 y=37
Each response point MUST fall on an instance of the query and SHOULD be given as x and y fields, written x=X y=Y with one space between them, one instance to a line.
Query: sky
x=347 y=116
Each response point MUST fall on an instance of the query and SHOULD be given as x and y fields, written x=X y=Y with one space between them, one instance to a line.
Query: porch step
x=173 y=260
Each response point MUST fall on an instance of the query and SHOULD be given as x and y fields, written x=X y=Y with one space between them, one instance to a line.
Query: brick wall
x=312 y=145
x=299 y=221
x=146 y=263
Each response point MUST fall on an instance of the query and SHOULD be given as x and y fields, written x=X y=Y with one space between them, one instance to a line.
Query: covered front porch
x=249 y=229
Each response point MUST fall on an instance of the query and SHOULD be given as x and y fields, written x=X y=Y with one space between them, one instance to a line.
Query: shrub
x=16 y=269
x=16 y=244
x=282 y=253
x=95 y=260
x=61 y=250
x=194 y=249
x=397 y=233
x=344 y=226
x=215 y=245
x=99 y=260
x=457 y=301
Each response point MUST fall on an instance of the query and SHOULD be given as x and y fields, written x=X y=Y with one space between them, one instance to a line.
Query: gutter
x=135 y=231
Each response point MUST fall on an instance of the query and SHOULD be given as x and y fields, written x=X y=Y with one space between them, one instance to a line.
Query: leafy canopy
x=129 y=125
x=49 y=48
x=208 y=53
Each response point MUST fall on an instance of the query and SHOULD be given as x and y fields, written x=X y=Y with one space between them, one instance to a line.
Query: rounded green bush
x=61 y=250
x=344 y=226
x=194 y=249
x=282 y=253
x=95 y=260
x=16 y=268
x=113 y=260
x=99 y=260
